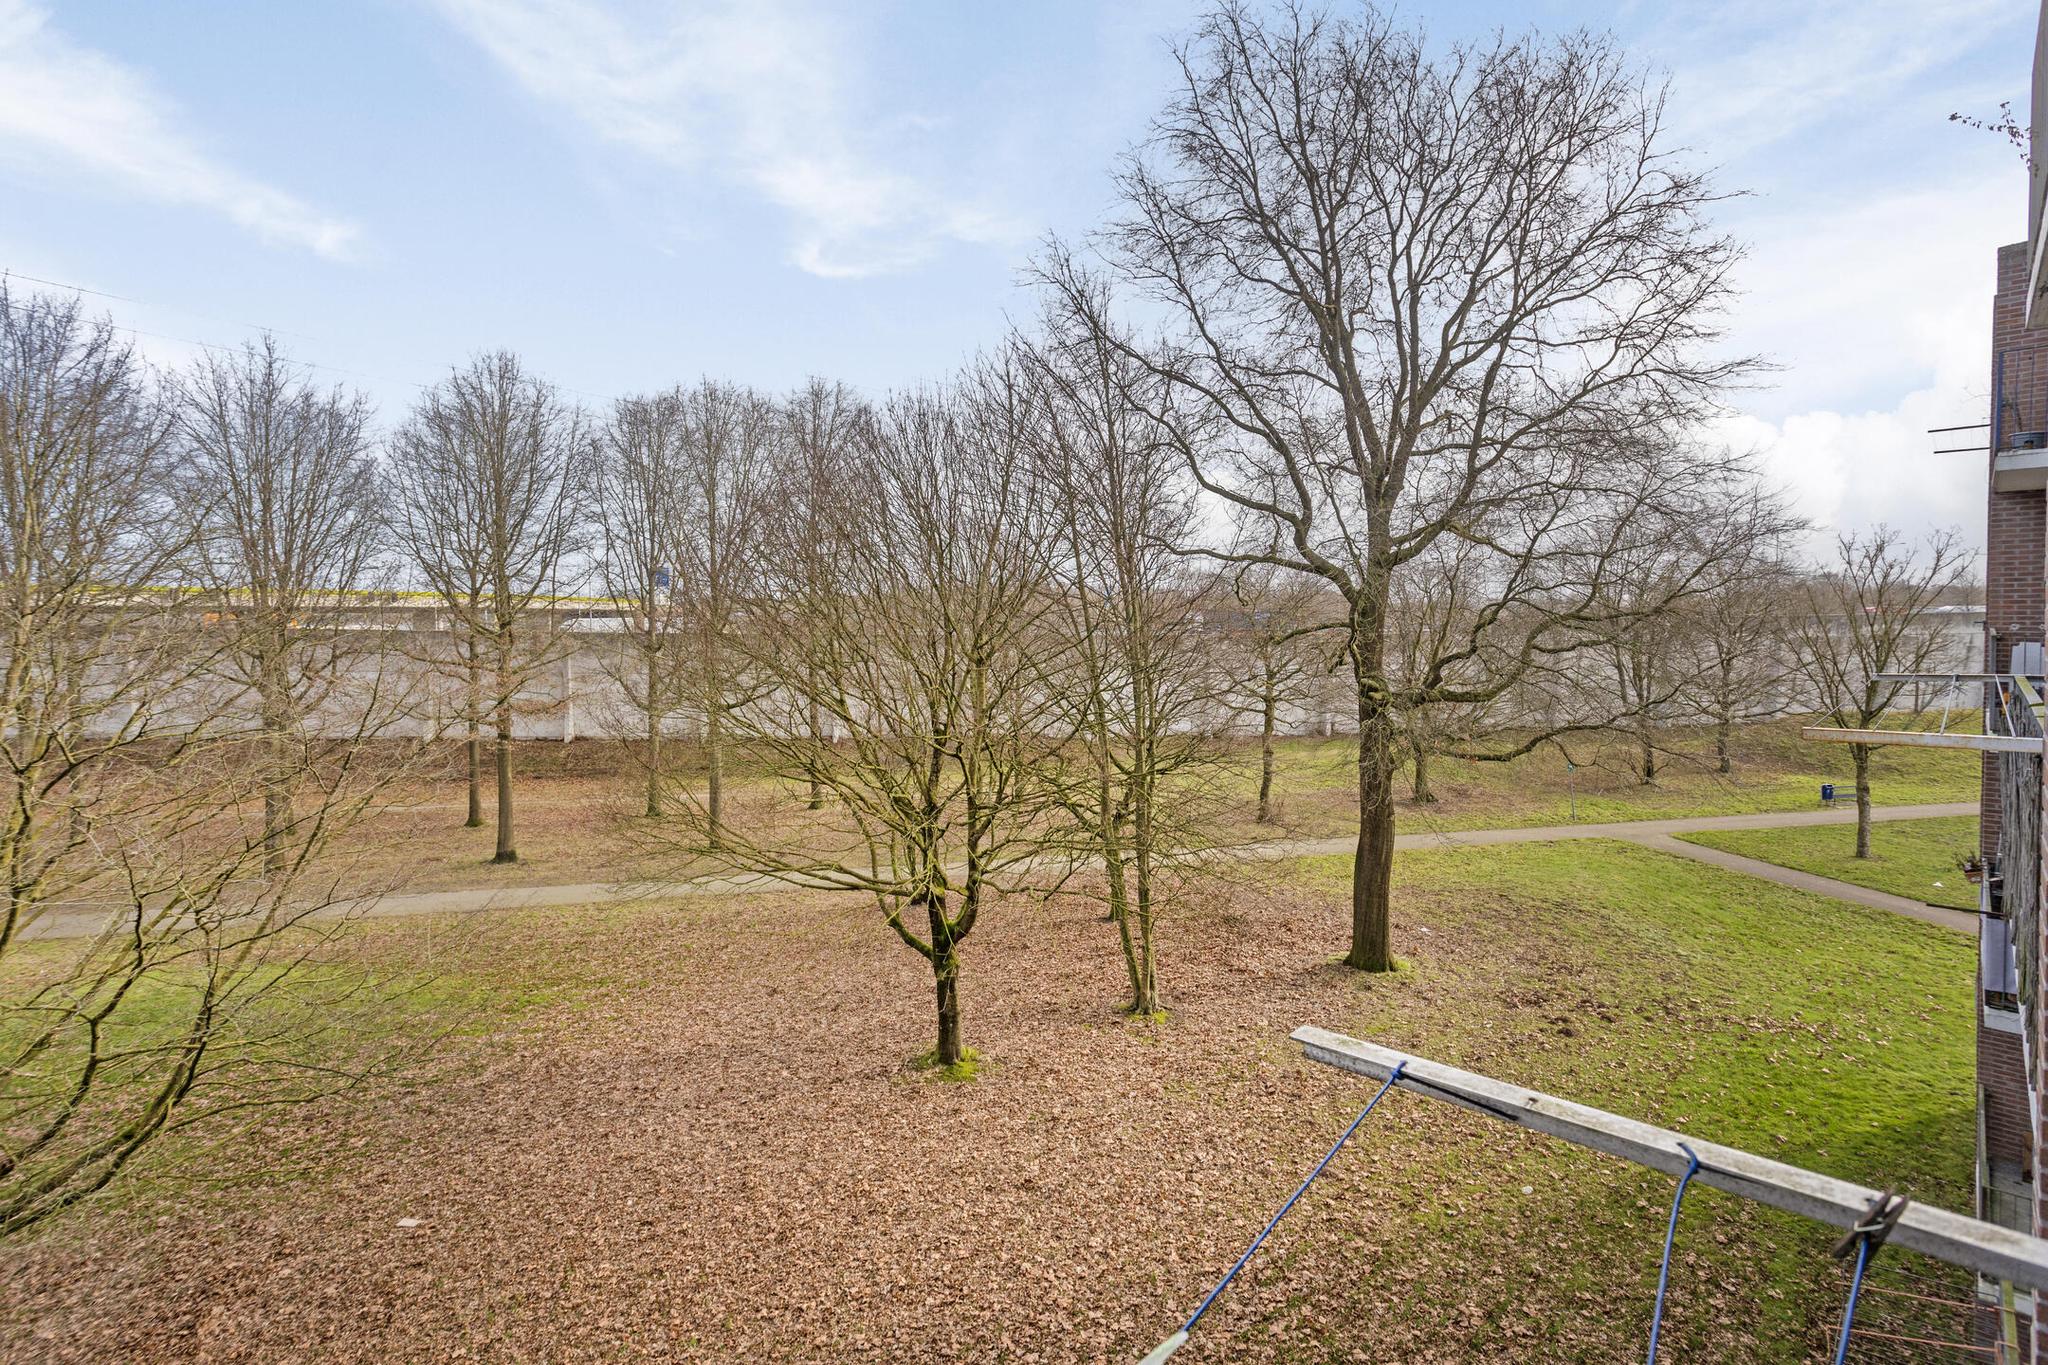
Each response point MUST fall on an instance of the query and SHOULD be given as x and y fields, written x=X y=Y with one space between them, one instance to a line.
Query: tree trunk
x=817 y=797
x=1649 y=757
x=1145 y=996
x=946 y=987
x=508 y=850
x=1724 y=720
x=1372 y=874
x=654 y=811
x=277 y=800
x=472 y=709
x=1267 y=721
x=1420 y=788
x=1120 y=915
x=949 y=1051
x=714 y=760
x=274 y=809
x=476 y=778
x=1859 y=754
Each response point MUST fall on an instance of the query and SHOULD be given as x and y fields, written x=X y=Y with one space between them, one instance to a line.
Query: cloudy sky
x=633 y=192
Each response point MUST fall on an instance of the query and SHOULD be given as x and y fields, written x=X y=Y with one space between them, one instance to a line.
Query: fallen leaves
x=723 y=1156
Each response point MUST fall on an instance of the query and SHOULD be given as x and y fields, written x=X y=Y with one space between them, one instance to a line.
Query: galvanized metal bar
x=1924 y=739
x=1940 y=677
x=1997 y=1252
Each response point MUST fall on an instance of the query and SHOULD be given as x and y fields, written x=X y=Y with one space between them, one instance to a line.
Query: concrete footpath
x=1658 y=834
x=1655 y=834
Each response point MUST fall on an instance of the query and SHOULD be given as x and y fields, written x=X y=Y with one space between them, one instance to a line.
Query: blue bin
x=1827 y=791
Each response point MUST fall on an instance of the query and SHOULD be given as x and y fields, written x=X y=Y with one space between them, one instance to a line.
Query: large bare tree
x=279 y=488
x=1869 y=614
x=485 y=477
x=1412 y=294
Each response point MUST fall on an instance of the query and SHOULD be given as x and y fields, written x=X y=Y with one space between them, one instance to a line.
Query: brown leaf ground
x=690 y=1134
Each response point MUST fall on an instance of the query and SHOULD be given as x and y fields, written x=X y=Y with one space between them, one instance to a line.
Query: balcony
x=2013 y=709
x=2019 y=469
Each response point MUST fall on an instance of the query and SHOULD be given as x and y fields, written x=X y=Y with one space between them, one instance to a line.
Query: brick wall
x=2016 y=587
x=2014 y=523
x=2001 y=1071
x=2015 y=605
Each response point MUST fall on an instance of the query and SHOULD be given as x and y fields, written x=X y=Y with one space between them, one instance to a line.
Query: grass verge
x=1918 y=859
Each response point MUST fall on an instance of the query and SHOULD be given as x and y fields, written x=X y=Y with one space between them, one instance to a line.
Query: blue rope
x=1855 y=1288
x=1257 y=1241
x=1670 y=1236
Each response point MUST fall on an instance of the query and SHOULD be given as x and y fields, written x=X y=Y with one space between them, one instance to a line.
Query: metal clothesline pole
x=1995 y=1252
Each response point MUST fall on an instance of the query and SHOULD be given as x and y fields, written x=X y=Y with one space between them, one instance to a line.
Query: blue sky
x=633 y=193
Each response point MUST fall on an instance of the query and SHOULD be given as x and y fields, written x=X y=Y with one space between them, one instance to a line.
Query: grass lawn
x=691 y=1132
x=1912 y=858
x=578 y=808
x=1774 y=769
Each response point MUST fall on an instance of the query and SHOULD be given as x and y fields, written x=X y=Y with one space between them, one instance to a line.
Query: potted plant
x=1973 y=867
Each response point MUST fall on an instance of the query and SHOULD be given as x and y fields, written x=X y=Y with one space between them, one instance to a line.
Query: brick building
x=2016 y=515
x=2012 y=1062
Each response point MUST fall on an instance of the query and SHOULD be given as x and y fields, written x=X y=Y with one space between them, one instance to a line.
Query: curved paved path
x=1963 y=920
x=1658 y=834
x=1649 y=833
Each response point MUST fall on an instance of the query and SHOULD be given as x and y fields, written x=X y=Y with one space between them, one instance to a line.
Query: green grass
x=1774 y=770
x=1917 y=859
x=1810 y=1030
x=375 y=998
x=970 y=1066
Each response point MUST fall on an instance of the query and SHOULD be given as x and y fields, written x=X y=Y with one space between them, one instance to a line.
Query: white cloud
x=1879 y=312
x=1869 y=280
x=1753 y=72
x=67 y=108
x=752 y=88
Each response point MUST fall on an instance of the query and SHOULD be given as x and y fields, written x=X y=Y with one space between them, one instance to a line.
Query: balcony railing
x=2013 y=708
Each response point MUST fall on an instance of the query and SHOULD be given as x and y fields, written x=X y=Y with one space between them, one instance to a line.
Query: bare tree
x=917 y=627
x=1430 y=611
x=1646 y=660
x=726 y=482
x=1133 y=671
x=1275 y=654
x=157 y=946
x=281 y=494
x=485 y=474
x=1674 y=666
x=1870 y=614
x=1737 y=640
x=821 y=420
x=1412 y=297
x=642 y=508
